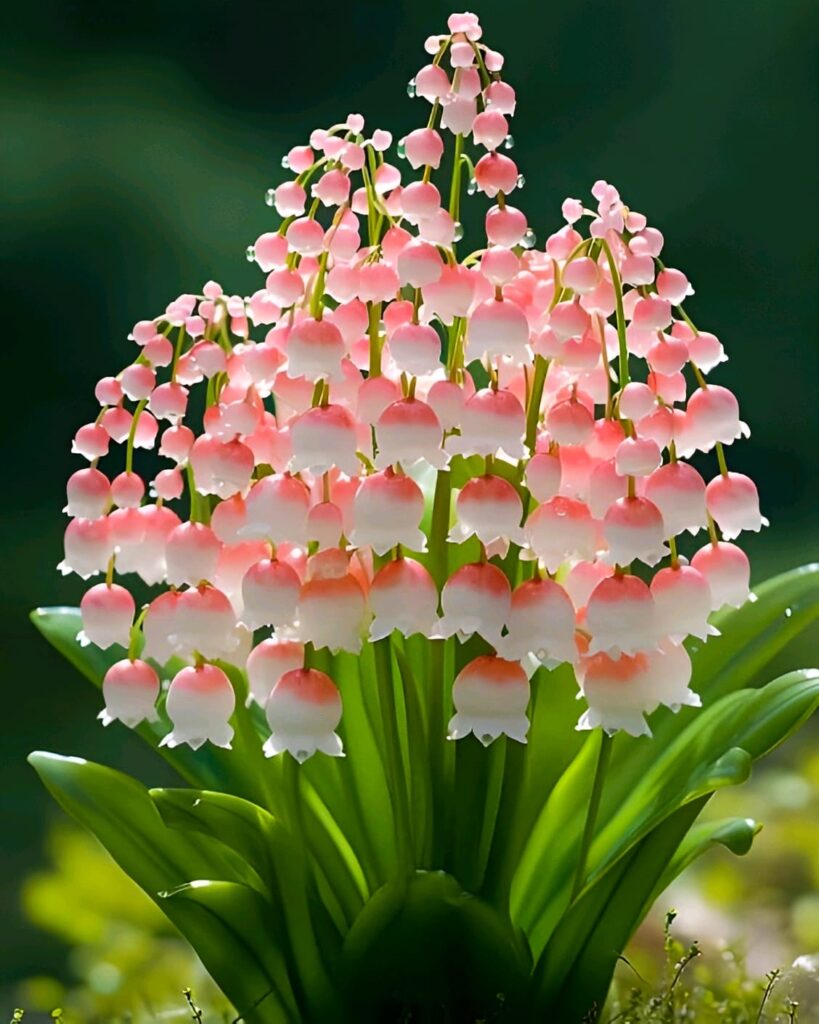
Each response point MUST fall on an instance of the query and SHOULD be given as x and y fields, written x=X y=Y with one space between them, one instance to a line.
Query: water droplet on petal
x=458 y=231
x=529 y=239
x=411 y=92
x=250 y=254
x=521 y=181
x=472 y=187
x=508 y=142
x=286 y=162
x=401 y=149
x=270 y=196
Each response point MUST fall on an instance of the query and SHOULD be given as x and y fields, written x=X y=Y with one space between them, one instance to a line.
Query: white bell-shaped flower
x=303 y=712
x=322 y=438
x=270 y=593
x=204 y=623
x=490 y=695
x=728 y=572
x=476 y=598
x=620 y=617
x=634 y=528
x=387 y=510
x=618 y=693
x=331 y=613
x=130 y=689
x=561 y=529
x=489 y=508
x=402 y=596
x=191 y=554
x=670 y=670
x=492 y=421
x=268 y=662
x=498 y=328
x=541 y=622
x=315 y=349
x=682 y=603
x=408 y=431
x=107 y=611
x=199 y=704
x=678 y=491
x=733 y=501
x=276 y=509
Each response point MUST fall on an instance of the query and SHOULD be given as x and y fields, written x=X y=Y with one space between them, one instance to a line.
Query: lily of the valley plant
x=410 y=501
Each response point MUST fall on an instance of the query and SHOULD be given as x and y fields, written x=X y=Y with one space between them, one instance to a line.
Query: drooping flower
x=490 y=696
x=303 y=712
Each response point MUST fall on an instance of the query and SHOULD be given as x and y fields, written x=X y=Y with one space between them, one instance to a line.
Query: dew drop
x=486 y=739
x=521 y=181
x=250 y=254
x=270 y=197
x=509 y=142
x=286 y=162
x=788 y=612
x=458 y=232
x=529 y=239
x=411 y=92
x=401 y=149
x=472 y=187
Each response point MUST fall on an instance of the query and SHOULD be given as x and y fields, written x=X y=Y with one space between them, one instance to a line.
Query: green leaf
x=238 y=942
x=120 y=813
x=715 y=750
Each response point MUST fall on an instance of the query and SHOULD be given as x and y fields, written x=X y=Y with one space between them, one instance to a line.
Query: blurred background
x=138 y=142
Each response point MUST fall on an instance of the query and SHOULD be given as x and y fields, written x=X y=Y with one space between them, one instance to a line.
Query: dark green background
x=137 y=143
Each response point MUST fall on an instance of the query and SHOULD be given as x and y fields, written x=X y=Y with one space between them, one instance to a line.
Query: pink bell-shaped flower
x=415 y=349
x=407 y=432
x=619 y=693
x=476 y=598
x=726 y=568
x=492 y=421
x=489 y=508
x=402 y=596
x=634 y=528
x=682 y=603
x=733 y=501
x=87 y=546
x=331 y=613
x=199 y=703
x=498 y=327
x=107 y=611
x=620 y=617
x=678 y=491
x=204 y=623
x=303 y=712
x=560 y=529
x=276 y=509
x=387 y=510
x=270 y=593
x=89 y=494
x=541 y=622
x=711 y=416
x=490 y=696
x=322 y=438
x=315 y=349
x=130 y=689
x=191 y=553
x=670 y=670
x=268 y=662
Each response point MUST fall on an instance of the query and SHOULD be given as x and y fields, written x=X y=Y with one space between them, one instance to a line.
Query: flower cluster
x=541 y=403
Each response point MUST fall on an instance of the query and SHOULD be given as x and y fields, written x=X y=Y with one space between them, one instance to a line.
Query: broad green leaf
x=233 y=929
x=276 y=856
x=715 y=750
x=120 y=813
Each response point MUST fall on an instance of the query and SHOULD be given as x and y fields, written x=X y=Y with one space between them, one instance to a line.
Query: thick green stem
x=622 y=370
x=535 y=396
x=603 y=757
x=394 y=758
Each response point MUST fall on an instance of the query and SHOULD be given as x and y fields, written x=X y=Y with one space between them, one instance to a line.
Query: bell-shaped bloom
x=130 y=689
x=325 y=524
x=303 y=712
x=407 y=432
x=637 y=456
x=711 y=416
x=634 y=528
x=618 y=692
x=324 y=437
x=498 y=327
x=268 y=662
x=543 y=476
x=415 y=348
x=331 y=613
x=476 y=598
x=223 y=468
x=490 y=695
x=315 y=349
x=728 y=572
x=492 y=421
x=402 y=596
x=682 y=603
x=107 y=615
x=270 y=593
x=678 y=491
x=541 y=622
x=276 y=509
x=387 y=510
x=419 y=264
x=191 y=553
x=670 y=671
x=199 y=704
x=89 y=494
x=570 y=422
x=203 y=623
x=87 y=547
x=620 y=617
x=636 y=401
x=489 y=508
x=733 y=501
x=561 y=529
